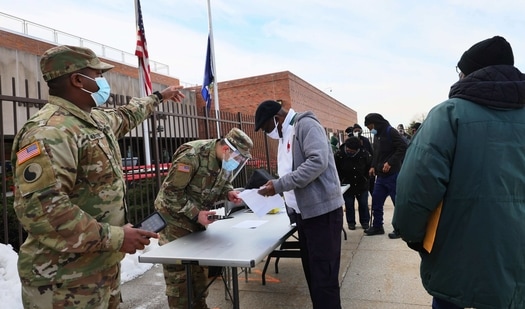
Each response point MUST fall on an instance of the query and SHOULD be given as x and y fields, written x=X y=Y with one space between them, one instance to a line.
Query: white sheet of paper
x=259 y=204
x=219 y=211
x=249 y=224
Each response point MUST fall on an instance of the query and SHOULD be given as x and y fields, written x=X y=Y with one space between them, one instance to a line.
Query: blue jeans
x=385 y=186
x=443 y=304
x=362 y=206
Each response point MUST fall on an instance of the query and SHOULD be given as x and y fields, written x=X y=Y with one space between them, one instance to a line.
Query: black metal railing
x=171 y=125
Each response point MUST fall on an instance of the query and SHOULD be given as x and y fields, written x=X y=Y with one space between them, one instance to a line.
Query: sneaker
x=394 y=235
x=365 y=226
x=351 y=226
x=374 y=231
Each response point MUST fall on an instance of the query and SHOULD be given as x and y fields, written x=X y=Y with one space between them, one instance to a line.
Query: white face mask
x=275 y=133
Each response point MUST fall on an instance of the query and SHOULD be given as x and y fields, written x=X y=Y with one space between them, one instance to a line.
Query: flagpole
x=145 y=124
x=215 y=86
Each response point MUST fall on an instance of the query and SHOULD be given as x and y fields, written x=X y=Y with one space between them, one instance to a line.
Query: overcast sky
x=394 y=57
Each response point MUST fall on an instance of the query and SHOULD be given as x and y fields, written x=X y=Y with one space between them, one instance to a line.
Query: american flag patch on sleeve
x=28 y=152
x=183 y=168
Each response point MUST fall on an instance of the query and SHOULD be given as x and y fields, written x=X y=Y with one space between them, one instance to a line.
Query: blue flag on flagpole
x=208 y=77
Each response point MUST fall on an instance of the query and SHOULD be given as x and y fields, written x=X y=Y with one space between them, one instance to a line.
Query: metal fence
x=146 y=151
x=170 y=126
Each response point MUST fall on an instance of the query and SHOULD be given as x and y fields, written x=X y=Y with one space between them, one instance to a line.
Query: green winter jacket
x=470 y=153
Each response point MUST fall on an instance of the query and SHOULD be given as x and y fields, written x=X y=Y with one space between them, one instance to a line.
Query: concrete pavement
x=376 y=272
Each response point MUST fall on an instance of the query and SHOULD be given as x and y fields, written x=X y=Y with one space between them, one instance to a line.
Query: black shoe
x=394 y=235
x=374 y=231
x=365 y=226
x=351 y=226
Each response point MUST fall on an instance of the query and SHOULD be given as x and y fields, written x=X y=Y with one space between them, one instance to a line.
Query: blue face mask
x=102 y=94
x=373 y=131
x=230 y=164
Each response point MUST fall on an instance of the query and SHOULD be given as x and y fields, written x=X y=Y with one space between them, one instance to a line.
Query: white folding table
x=223 y=244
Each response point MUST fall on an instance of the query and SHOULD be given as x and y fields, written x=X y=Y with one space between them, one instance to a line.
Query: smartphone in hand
x=218 y=217
x=153 y=223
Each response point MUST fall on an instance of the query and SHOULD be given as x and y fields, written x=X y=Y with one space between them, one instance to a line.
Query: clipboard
x=432 y=225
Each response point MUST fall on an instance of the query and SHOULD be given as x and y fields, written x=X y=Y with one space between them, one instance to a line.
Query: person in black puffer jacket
x=353 y=162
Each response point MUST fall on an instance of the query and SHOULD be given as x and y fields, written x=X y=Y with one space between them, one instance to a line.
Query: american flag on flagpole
x=142 y=51
x=207 y=84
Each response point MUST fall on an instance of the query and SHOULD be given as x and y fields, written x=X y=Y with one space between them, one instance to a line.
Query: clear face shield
x=232 y=162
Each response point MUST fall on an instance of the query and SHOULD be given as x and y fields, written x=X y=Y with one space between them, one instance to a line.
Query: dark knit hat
x=488 y=52
x=416 y=125
x=353 y=143
x=265 y=111
x=374 y=118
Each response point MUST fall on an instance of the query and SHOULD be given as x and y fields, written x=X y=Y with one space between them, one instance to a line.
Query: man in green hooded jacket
x=469 y=154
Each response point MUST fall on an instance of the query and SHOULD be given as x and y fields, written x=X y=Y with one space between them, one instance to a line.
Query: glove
x=416 y=246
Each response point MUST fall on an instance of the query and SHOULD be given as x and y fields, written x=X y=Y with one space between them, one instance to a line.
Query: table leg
x=235 y=282
x=189 y=285
x=227 y=273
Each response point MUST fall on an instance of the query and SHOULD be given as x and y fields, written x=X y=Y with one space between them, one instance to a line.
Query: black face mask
x=351 y=155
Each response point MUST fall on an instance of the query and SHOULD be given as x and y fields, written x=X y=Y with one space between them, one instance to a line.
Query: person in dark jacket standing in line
x=389 y=151
x=357 y=131
x=308 y=179
x=469 y=154
x=353 y=162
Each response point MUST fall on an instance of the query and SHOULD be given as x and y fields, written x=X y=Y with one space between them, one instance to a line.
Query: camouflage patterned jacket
x=195 y=182
x=70 y=189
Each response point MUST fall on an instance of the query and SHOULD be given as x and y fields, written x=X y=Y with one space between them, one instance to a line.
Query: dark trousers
x=443 y=304
x=320 y=243
x=385 y=186
x=362 y=207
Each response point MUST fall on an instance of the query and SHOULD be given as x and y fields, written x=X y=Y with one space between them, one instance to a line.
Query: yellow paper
x=432 y=225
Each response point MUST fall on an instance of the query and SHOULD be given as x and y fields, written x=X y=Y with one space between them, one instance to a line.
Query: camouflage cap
x=61 y=60
x=241 y=141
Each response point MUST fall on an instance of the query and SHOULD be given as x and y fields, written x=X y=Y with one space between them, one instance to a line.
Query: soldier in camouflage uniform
x=200 y=175
x=70 y=188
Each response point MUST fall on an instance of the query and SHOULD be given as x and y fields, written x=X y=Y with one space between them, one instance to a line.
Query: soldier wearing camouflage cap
x=200 y=175
x=70 y=187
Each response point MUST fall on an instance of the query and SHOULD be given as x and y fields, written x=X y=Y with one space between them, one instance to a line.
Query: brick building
x=246 y=93
x=20 y=55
